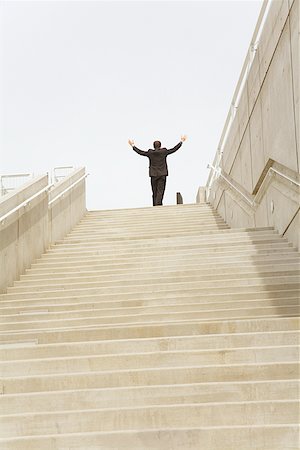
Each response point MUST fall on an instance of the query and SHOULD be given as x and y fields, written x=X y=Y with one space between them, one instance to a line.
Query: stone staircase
x=153 y=328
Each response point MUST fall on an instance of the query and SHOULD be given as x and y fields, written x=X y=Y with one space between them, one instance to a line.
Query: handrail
x=25 y=203
x=67 y=189
x=232 y=185
x=240 y=86
x=271 y=169
x=252 y=202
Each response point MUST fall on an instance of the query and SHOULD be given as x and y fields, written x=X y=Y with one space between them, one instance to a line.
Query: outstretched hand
x=130 y=142
x=183 y=137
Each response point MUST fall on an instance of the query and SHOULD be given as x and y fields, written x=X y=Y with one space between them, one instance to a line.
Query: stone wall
x=28 y=232
x=264 y=133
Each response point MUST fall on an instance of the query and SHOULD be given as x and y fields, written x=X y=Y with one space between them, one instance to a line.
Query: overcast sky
x=80 y=78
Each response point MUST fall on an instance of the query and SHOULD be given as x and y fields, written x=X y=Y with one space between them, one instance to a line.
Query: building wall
x=265 y=132
x=27 y=233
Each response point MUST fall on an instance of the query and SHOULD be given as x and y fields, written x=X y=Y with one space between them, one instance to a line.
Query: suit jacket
x=157 y=159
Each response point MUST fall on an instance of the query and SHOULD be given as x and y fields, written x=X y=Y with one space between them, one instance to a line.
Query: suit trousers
x=158 y=185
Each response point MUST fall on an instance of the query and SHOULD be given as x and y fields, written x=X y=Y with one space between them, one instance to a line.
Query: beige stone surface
x=265 y=131
x=23 y=235
x=277 y=106
x=294 y=31
x=257 y=155
x=28 y=232
x=118 y=337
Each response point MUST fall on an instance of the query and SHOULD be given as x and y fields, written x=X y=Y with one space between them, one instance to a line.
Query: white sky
x=80 y=78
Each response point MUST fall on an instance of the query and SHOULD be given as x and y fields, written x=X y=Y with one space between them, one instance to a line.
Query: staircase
x=153 y=328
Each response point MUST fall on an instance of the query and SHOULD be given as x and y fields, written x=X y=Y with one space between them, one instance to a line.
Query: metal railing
x=45 y=189
x=25 y=203
x=271 y=170
x=12 y=181
x=220 y=174
x=61 y=172
x=239 y=89
x=61 y=194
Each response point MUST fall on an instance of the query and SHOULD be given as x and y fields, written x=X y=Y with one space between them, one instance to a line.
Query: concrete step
x=93 y=319
x=191 y=216
x=144 y=245
x=249 y=437
x=137 y=226
x=34 y=350
x=150 y=377
x=153 y=330
x=181 y=394
x=94 y=310
x=194 y=260
x=41 y=274
x=158 y=273
x=119 y=230
x=48 y=297
x=164 y=232
x=91 y=238
x=181 y=246
x=152 y=417
x=160 y=298
x=166 y=359
x=161 y=284
x=167 y=254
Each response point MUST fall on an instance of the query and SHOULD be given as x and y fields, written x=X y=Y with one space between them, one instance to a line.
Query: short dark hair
x=156 y=144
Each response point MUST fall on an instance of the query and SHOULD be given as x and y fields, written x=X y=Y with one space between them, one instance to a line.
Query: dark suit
x=158 y=169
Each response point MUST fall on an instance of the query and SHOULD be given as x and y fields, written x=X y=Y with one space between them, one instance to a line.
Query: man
x=158 y=169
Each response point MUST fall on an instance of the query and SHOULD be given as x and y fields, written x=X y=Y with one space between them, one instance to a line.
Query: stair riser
x=151 y=377
x=46 y=297
x=180 y=343
x=277 y=437
x=37 y=275
x=93 y=320
x=152 y=418
x=185 y=258
x=201 y=248
x=148 y=395
x=191 y=274
x=96 y=310
x=159 y=222
x=157 y=330
x=82 y=257
x=143 y=361
x=76 y=303
x=91 y=240
x=161 y=284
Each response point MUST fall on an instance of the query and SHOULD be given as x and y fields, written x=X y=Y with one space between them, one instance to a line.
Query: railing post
x=179 y=199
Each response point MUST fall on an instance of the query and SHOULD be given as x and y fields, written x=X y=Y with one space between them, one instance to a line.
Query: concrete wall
x=66 y=211
x=27 y=233
x=265 y=131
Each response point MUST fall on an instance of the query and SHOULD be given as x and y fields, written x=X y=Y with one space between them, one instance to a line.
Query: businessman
x=158 y=169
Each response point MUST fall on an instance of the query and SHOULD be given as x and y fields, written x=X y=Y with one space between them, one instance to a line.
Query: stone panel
x=293 y=231
x=294 y=29
x=280 y=207
x=254 y=81
x=277 y=107
x=242 y=114
x=236 y=216
x=262 y=214
x=273 y=27
x=242 y=171
x=231 y=146
x=257 y=142
x=221 y=207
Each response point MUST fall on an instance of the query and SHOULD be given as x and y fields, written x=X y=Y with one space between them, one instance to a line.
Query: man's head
x=156 y=144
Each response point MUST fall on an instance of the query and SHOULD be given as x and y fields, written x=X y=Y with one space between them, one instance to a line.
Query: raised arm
x=137 y=150
x=177 y=147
